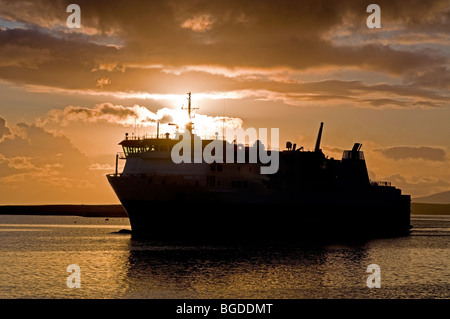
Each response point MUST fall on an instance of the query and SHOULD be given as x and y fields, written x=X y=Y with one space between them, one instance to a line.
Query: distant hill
x=439 y=198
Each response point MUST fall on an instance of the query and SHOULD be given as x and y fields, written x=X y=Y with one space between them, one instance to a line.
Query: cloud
x=35 y=55
x=351 y=93
x=105 y=112
x=39 y=166
x=199 y=23
x=210 y=126
x=438 y=77
x=4 y=130
x=418 y=186
x=41 y=147
x=102 y=167
x=101 y=83
x=139 y=115
x=224 y=36
x=423 y=152
x=19 y=56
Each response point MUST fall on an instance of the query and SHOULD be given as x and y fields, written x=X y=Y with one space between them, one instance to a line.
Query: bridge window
x=135 y=150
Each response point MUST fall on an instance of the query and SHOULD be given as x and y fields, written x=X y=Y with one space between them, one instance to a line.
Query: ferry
x=310 y=196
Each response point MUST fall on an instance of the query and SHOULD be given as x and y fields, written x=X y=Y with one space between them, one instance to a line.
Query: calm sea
x=35 y=252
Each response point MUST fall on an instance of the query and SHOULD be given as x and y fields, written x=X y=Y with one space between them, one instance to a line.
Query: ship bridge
x=144 y=145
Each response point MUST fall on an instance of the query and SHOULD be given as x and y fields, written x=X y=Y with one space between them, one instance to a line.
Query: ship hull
x=200 y=214
x=261 y=221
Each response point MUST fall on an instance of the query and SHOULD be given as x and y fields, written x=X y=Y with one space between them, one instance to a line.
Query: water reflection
x=170 y=270
x=35 y=252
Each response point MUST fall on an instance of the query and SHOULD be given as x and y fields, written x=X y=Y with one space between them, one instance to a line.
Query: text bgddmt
x=245 y=308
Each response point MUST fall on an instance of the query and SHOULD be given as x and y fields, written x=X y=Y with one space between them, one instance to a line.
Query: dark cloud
x=166 y=118
x=135 y=46
x=42 y=146
x=104 y=110
x=386 y=102
x=423 y=152
x=39 y=166
x=243 y=33
x=438 y=77
x=429 y=16
x=4 y=130
x=35 y=56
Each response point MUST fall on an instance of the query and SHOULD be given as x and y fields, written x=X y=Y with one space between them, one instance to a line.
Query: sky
x=69 y=95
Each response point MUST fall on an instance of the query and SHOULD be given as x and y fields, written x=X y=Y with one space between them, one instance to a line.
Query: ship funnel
x=319 y=137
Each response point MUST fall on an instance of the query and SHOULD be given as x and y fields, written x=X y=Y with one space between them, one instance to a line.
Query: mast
x=190 y=108
x=157 y=130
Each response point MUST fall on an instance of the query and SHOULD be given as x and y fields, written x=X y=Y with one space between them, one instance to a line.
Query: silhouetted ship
x=309 y=195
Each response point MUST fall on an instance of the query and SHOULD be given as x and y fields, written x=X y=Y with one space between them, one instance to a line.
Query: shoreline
x=66 y=210
x=430 y=209
x=117 y=210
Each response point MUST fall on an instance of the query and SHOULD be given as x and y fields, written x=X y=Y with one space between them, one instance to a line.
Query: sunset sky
x=68 y=96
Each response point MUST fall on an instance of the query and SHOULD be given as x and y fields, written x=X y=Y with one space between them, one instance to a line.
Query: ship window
x=213 y=168
x=219 y=168
x=135 y=150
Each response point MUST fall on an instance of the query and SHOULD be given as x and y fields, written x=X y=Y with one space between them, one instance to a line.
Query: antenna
x=189 y=108
x=189 y=125
x=223 y=121
x=157 y=130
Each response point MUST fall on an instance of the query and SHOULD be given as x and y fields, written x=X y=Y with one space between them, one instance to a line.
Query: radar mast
x=189 y=126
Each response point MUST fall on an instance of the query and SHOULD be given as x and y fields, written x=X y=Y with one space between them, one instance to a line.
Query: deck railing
x=380 y=183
